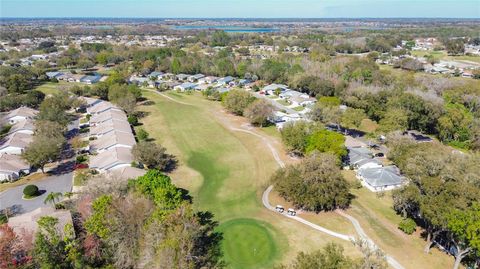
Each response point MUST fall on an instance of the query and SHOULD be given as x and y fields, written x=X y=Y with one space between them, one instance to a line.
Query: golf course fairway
x=222 y=172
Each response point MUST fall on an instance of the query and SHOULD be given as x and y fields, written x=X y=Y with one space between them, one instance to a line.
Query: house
x=20 y=114
x=195 y=78
x=244 y=82
x=112 y=114
x=126 y=172
x=75 y=78
x=301 y=101
x=225 y=80
x=24 y=126
x=28 y=223
x=351 y=142
x=380 y=178
x=138 y=80
x=208 y=80
x=90 y=79
x=12 y=167
x=109 y=126
x=15 y=143
x=361 y=157
x=112 y=159
x=181 y=77
x=114 y=139
x=101 y=107
x=155 y=75
x=272 y=88
x=222 y=90
x=51 y=75
x=202 y=87
x=287 y=94
x=185 y=86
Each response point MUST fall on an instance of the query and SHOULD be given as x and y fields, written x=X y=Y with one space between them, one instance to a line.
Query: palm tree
x=53 y=197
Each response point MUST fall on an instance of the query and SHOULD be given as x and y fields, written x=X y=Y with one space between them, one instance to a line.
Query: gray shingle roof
x=382 y=176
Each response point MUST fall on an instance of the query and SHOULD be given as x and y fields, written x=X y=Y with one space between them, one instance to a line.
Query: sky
x=242 y=8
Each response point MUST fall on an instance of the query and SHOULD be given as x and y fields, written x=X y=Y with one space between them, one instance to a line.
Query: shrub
x=133 y=120
x=81 y=159
x=142 y=134
x=407 y=225
x=30 y=191
x=3 y=219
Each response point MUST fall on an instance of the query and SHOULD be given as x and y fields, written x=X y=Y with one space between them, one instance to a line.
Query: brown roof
x=111 y=157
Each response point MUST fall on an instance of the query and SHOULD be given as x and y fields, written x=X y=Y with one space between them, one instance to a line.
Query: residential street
x=12 y=198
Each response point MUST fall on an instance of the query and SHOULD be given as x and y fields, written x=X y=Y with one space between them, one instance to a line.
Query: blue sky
x=241 y=8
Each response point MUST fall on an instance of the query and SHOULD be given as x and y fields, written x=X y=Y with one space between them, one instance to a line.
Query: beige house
x=20 y=114
x=112 y=159
x=15 y=143
x=114 y=139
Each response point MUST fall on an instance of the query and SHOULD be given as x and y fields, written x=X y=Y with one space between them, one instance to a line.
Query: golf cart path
x=361 y=233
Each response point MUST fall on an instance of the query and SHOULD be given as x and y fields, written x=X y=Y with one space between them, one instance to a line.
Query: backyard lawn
x=226 y=172
x=52 y=87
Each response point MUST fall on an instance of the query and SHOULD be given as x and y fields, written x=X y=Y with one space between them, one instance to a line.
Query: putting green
x=247 y=243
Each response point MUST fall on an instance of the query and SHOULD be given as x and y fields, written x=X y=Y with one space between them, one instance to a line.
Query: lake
x=226 y=28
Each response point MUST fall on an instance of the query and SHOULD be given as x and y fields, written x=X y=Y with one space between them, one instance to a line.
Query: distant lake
x=226 y=28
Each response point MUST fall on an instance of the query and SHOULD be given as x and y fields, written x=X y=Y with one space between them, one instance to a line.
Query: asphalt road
x=12 y=198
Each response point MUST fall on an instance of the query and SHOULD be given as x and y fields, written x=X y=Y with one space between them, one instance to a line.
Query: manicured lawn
x=299 y=108
x=283 y=102
x=52 y=87
x=226 y=172
x=223 y=176
x=257 y=247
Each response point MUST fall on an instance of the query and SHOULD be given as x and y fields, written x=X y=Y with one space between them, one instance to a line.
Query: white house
x=114 y=139
x=112 y=159
x=12 y=167
x=15 y=143
x=381 y=178
x=270 y=89
x=20 y=114
x=24 y=126
x=185 y=86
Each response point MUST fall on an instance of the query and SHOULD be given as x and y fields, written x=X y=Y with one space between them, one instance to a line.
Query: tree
x=17 y=83
x=465 y=228
x=394 y=120
x=455 y=46
x=85 y=63
x=352 y=118
x=330 y=257
x=259 y=111
x=295 y=134
x=54 y=109
x=51 y=250
x=43 y=150
x=49 y=129
x=220 y=38
x=237 y=101
x=327 y=141
x=53 y=197
x=314 y=184
x=153 y=156
x=10 y=247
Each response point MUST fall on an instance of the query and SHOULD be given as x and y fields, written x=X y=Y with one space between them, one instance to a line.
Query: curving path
x=358 y=228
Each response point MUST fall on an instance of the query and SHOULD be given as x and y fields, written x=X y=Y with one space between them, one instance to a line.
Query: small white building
x=12 y=167
x=381 y=178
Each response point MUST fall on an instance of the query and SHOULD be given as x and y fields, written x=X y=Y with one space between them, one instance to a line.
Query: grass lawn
x=299 y=108
x=30 y=179
x=226 y=172
x=283 y=102
x=257 y=247
x=368 y=126
x=52 y=87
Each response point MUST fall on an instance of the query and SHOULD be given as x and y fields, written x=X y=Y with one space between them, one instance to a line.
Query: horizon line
x=219 y=18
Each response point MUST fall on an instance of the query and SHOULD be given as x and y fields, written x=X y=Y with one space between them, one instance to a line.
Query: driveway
x=12 y=198
x=275 y=103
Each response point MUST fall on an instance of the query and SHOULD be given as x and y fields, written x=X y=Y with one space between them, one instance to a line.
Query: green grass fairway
x=256 y=247
x=219 y=170
x=52 y=88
